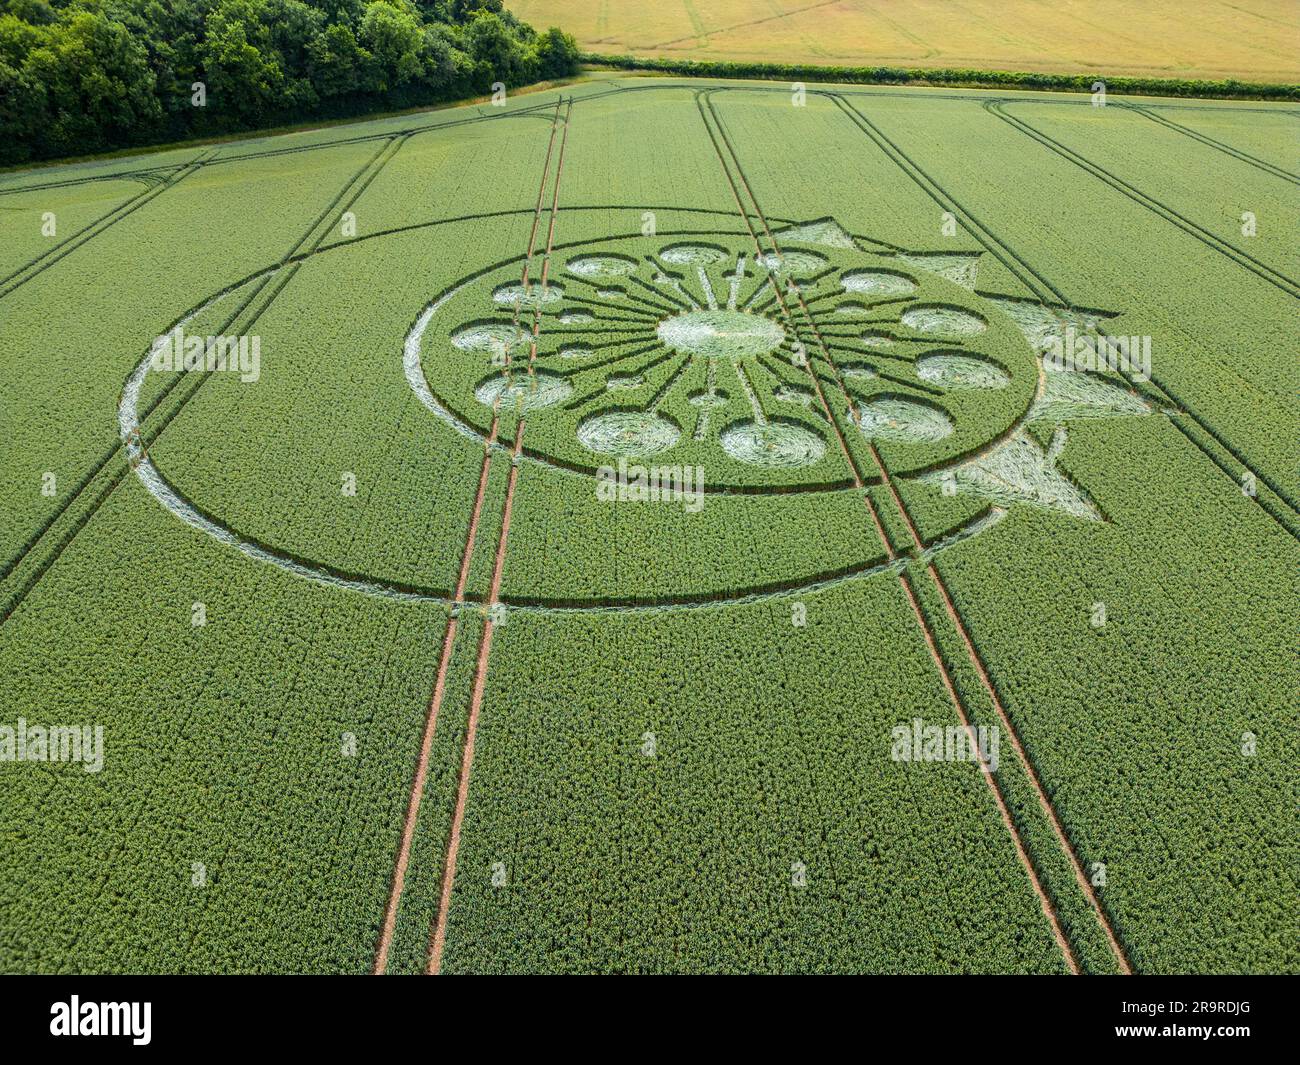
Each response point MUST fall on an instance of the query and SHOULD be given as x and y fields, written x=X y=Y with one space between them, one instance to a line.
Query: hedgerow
x=984 y=79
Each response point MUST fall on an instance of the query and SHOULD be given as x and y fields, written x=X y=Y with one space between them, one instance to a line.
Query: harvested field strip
x=1048 y=908
x=702 y=33
x=438 y=936
x=418 y=784
x=431 y=723
x=448 y=644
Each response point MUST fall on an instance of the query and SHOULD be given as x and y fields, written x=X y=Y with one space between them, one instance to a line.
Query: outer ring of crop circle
x=191 y=513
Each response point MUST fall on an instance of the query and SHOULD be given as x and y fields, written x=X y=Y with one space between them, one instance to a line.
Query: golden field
x=1255 y=40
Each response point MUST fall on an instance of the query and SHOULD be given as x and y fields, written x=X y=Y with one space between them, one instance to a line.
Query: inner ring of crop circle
x=602 y=271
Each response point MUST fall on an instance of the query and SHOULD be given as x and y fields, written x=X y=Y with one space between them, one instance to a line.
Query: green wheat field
x=659 y=526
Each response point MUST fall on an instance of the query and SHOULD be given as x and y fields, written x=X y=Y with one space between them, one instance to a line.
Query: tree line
x=82 y=76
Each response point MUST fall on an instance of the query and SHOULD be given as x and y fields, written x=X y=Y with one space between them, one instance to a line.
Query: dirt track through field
x=1045 y=901
x=449 y=638
x=438 y=935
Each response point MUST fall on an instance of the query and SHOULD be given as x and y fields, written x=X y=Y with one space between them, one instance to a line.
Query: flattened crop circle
x=601 y=267
x=877 y=282
x=695 y=347
x=523 y=391
x=907 y=420
x=961 y=371
x=470 y=359
x=942 y=320
x=627 y=432
x=692 y=255
x=773 y=444
x=792 y=263
x=727 y=334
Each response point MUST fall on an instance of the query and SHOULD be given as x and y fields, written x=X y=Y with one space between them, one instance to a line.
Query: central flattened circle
x=721 y=334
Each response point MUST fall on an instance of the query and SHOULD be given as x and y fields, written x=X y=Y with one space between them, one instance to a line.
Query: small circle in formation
x=940 y=319
x=960 y=371
x=601 y=267
x=877 y=283
x=524 y=391
x=773 y=444
x=493 y=337
x=904 y=420
x=627 y=432
x=792 y=263
x=692 y=254
x=533 y=295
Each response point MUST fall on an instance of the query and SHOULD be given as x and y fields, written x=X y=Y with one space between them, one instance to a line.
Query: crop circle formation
x=701 y=349
x=759 y=369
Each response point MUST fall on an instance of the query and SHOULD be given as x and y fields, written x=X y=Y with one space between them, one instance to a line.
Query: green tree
x=557 y=54
x=243 y=79
x=336 y=63
x=495 y=50
x=78 y=76
x=393 y=36
x=98 y=87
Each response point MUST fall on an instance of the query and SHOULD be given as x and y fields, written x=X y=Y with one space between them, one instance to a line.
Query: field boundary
x=534 y=111
x=978 y=94
x=1227 y=89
